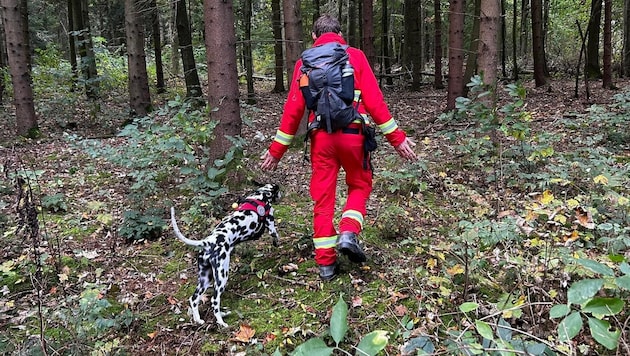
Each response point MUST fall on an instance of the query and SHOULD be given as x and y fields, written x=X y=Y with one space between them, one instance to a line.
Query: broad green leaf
x=582 y=291
x=468 y=306
x=558 y=311
x=313 y=347
x=504 y=330
x=484 y=329
x=277 y=352
x=569 y=327
x=603 y=306
x=625 y=268
x=338 y=320
x=372 y=343
x=600 y=330
x=596 y=267
x=474 y=349
x=623 y=282
x=421 y=344
x=536 y=349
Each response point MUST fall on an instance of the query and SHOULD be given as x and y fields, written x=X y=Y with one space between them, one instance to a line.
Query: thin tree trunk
x=86 y=49
x=157 y=47
x=15 y=21
x=607 y=77
x=413 y=41
x=276 y=25
x=538 y=45
x=184 y=38
x=456 y=52
x=473 y=49
x=514 y=43
x=72 y=50
x=593 y=70
x=625 y=56
x=437 y=56
x=489 y=41
x=247 y=51
x=386 y=67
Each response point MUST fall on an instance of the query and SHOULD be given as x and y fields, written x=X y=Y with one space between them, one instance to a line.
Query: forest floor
x=99 y=294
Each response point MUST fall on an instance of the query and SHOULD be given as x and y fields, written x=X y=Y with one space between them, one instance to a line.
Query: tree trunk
x=625 y=56
x=607 y=77
x=473 y=49
x=412 y=50
x=184 y=38
x=247 y=51
x=489 y=41
x=15 y=20
x=72 y=51
x=437 y=57
x=593 y=69
x=86 y=49
x=515 y=68
x=538 y=45
x=456 y=52
x=223 y=93
x=157 y=47
x=293 y=35
x=139 y=97
x=368 y=32
x=524 y=38
x=351 y=36
x=386 y=67
x=276 y=25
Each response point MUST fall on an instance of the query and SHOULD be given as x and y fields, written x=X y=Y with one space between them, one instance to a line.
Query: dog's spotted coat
x=248 y=222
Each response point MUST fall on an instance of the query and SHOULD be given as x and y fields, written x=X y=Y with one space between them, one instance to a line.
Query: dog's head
x=269 y=193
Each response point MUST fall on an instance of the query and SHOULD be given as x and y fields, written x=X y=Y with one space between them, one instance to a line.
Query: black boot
x=348 y=245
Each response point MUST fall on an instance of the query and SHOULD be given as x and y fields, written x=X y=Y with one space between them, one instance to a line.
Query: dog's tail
x=181 y=236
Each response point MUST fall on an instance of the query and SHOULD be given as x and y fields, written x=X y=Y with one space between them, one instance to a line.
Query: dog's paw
x=199 y=321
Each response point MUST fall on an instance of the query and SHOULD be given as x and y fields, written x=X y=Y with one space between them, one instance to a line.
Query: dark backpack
x=329 y=91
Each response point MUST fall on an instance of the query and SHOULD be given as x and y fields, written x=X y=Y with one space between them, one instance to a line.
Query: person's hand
x=269 y=162
x=405 y=150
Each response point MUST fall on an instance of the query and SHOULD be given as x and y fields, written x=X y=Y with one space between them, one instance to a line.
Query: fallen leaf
x=401 y=310
x=455 y=270
x=572 y=237
x=546 y=197
x=152 y=335
x=357 y=301
x=171 y=300
x=244 y=334
x=584 y=218
x=431 y=263
x=600 y=179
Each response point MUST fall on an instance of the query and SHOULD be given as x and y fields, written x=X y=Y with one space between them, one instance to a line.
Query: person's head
x=326 y=23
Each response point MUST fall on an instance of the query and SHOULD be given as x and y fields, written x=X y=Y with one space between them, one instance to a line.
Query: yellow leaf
x=152 y=335
x=623 y=201
x=560 y=218
x=600 y=179
x=553 y=293
x=426 y=141
x=572 y=203
x=546 y=197
x=431 y=263
x=441 y=256
x=455 y=270
x=442 y=174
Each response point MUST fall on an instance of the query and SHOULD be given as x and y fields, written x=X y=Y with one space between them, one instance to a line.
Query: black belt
x=350 y=130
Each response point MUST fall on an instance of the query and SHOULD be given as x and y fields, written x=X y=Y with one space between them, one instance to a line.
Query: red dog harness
x=256 y=205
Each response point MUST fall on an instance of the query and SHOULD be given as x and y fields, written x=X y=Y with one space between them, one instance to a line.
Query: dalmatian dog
x=248 y=222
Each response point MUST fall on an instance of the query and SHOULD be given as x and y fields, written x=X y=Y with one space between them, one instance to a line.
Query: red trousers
x=331 y=152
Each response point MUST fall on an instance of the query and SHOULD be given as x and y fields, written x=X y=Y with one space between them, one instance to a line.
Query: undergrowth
x=515 y=244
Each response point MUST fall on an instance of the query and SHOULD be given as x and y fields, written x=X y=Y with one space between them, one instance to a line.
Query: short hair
x=326 y=23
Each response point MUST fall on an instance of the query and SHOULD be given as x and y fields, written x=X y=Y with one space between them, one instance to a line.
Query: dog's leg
x=204 y=282
x=221 y=275
x=271 y=226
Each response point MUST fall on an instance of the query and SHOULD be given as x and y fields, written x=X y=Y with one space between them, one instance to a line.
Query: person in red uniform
x=340 y=149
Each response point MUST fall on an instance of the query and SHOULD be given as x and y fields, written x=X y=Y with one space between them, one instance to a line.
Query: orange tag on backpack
x=304 y=80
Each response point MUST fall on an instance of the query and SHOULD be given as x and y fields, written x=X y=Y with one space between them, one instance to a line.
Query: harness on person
x=327 y=84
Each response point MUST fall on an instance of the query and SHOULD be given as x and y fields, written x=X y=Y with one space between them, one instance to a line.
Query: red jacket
x=372 y=101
